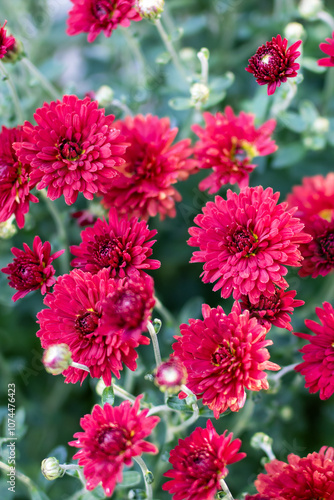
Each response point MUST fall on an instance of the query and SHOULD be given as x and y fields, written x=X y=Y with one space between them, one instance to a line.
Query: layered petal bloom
x=327 y=48
x=315 y=207
x=111 y=436
x=305 y=478
x=318 y=354
x=94 y=16
x=15 y=194
x=7 y=42
x=275 y=310
x=101 y=320
x=199 y=462
x=73 y=148
x=246 y=241
x=121 y=245
x=152 y=165
x=228 y=144
x=223 y=356
x=32 y=268
x=273 y=63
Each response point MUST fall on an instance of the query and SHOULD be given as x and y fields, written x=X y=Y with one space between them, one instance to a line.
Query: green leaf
x=311 y=64
x=293 y=121
x=130 y=478
x=178 y=404
x=288 y=155
x=308 y=112
x=60 y=453
x=108 y=395
x=36 y=494
x=180 y=103
x=222 y=82
x=163 y=58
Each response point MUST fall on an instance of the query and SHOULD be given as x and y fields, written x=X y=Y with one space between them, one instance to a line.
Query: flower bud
x=320 y=125
x=199 y=93
x=7 y=228
x=104 y=95
x=57 y=358
x=170 y=375
x=294 y=31
x=309 y=9
x=51 y=469
x=150 y=9
x=14 y=53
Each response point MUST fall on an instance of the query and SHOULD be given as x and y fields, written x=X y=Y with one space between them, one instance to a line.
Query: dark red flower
x=273 y=310
x=273 y=63
x=246 y=241
x=223 y=356
x=7 y=42
x=15 y=194
x=228 y=144
x=327 y=48
x=100 y=319
x=318 y=355
x=112 y=436
x=31 y=269
x=72 y=149
x=152 y=166
x=121 y=245
x=306 y=478
x=199 y=462
x=94 y=16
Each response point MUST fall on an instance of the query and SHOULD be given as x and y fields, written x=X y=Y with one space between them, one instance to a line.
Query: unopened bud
x=104 y=95
x=320 y=125
x=309 y=9
x=57 y=358
x=7 y=228
x=170 y=375
x=51 y=469
x=199 y=93
x=14 y=53
x=150 y=9
x=294 y=31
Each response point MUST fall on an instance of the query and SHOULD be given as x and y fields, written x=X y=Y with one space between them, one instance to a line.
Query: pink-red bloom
x=111 y=436
x=170 y=375
x=152 y=166
x=315 y=207
x=228 y=144
x=318 y=354
x=94 y=16
x=246 y=241
x=273 y=63
x=327 y=48
x=121 y=245
x=73 y=148
x=7 y=42
x=223 y=356
x=15 y=192
x=307 y=478
x=31 y=269
x=274 y=310
x=199 y=462
x=101 y=320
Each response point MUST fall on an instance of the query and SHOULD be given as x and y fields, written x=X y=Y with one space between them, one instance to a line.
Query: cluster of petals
x=304 y=478
x=314 y=200
x=15 y=194
x=32 y=268
x=273 y=63
x=199 y=462
x=94 y=16
x=152 y=165
x=318 y=354
x=7 y=42
x=224 y=355
x=228 y=144
x=73 y=148
x=246 y=241
x=100 y=319
x=274 y=310
x=111 y=436
x=121 y=245
x=327 y=48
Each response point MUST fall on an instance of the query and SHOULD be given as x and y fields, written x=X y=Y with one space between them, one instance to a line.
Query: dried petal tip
x=150 y=9
x=57 y=358
x=51 y=469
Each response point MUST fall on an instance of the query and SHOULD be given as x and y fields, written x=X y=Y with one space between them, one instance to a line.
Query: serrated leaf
x=108 y=395
x=293 y=121
x=130 y=478
x=311 y=64
x=288 y=155
x=180 y=103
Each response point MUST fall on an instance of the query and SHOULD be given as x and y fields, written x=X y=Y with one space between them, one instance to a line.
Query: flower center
x=266 y=307
x=326 y=214
x=69 y=150
x=103 y=9
x=243 y=241
x=326 y=244
x=265 y=59
x=87 y=322
x=201 y=464
x=113 y=440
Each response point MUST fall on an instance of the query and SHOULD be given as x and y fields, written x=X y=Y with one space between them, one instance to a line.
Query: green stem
x=326 y=18
x=121 y=105
x=48 y=87
x=165 y=313
x=145 y=471
x=170 y=48
x=282 y=372
x=155 y=343
x=21 y=477
x=226 y=490
x=159 y=408
x=138 y=56
x=244 y=416
x=12 y=90
x=121 y=393
x=328 y=90
x=188 y=422
x=79 y=366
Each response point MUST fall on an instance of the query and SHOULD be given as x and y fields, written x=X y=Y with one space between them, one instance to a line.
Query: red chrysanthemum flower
x=7 y=42
x=94 y=16
x=72 y=149
x=273 y=310
x=112 y=436
x=273 y=63
x=31 y=269
x=307 y=478
x=14 y=178
x=123 y=246
x=223 y=356
x=246 y=242
x=199 y=462
x=327 y=48
x=318 y=365
x=100 y=319
x=152 y=166
x=315 y=207
x=228 y=144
